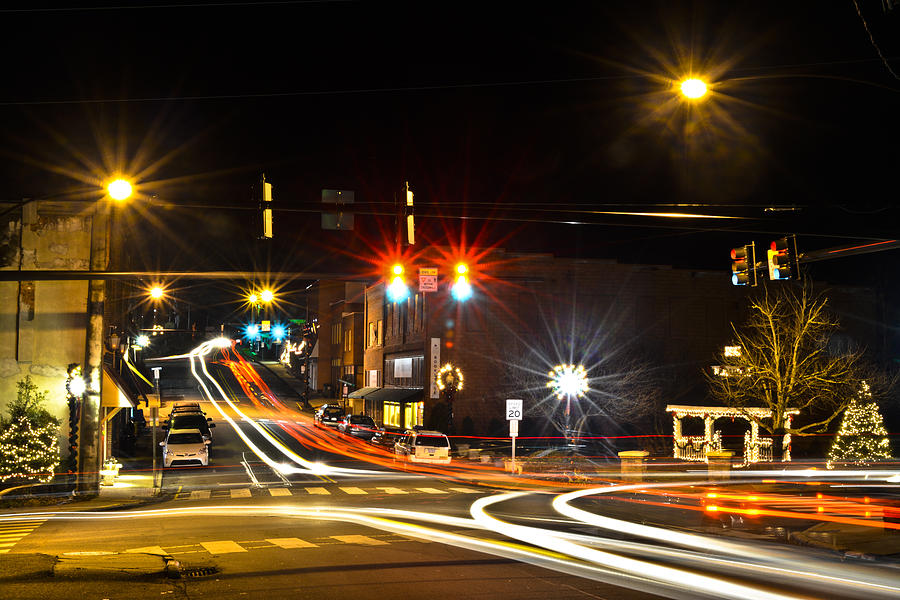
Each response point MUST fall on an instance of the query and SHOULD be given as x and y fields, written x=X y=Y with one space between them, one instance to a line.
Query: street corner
x=147 y=562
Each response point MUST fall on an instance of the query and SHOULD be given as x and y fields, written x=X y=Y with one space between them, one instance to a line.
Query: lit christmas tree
x=27 y=452
x=862 y=437
x=28 y=444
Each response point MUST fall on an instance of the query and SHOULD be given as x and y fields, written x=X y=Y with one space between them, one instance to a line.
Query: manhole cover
x=199 y=572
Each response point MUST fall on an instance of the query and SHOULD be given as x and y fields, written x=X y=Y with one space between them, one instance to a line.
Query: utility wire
x=872 y=40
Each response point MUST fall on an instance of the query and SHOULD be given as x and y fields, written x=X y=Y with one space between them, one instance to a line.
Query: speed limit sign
x=514 y=410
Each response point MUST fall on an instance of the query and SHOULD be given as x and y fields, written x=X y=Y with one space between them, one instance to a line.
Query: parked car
x=191 y=421
x=185 y=447
x=361 y=426
x=186 y=407
x=328 y=414
x=423 y=446
x=386 y=437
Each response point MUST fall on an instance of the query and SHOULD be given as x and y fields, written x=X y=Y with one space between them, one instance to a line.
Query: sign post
x=154 y=416
x=514 y=415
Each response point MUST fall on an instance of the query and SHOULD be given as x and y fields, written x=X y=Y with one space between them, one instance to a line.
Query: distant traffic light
x=397 y=290
x=743 y=265
x=461 y=289
x=782 y=255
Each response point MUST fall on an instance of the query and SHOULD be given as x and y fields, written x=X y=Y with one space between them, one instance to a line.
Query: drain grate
x=199 y=572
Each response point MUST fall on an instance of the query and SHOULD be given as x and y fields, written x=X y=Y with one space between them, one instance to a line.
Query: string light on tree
x=28 y=452
x=862 y=437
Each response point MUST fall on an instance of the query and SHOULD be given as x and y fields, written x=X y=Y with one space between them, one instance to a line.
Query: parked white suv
x=185 y=447
x=424 y=446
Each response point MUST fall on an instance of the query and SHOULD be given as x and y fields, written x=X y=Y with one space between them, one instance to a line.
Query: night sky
x=531 y=115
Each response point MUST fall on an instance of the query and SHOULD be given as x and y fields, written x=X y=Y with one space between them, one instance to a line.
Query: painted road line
x=223 y=547
x=200 y=495
x=431 y=490
x=359 y=539
x=392 y=490
x=291 y=543
x=353 y=490
x=279 y=491
x=465 y=490
x=319 y=491
x=12 y=533
x=148 y=550
x=241 y=493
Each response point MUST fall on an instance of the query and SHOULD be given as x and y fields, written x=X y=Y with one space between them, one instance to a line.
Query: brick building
x=532 y=311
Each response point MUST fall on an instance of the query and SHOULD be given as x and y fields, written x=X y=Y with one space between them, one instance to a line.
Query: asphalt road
x=366 y=526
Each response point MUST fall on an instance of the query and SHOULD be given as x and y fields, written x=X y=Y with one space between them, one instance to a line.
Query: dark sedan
x=360 y=426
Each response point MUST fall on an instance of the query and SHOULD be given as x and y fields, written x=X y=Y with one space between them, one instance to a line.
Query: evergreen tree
x=862 y=437
x=28 y=439
x=28 y=452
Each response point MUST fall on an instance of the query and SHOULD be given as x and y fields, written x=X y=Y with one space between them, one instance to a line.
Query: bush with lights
x=28 y=437
x=862 y=437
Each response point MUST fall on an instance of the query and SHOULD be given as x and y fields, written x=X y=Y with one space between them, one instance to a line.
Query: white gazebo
x=695 y=448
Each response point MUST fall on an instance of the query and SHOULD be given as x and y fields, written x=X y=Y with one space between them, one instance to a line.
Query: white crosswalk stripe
x=13 y=532
x=431 y=490
x=222 y=547
x=392 y=490
x=279 y=492
x=359 y=539
x=200 y=495
x=240 y=493
x=291 y=543
x=353 y=490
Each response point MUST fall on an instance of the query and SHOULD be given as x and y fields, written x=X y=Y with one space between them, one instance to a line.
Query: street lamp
x=267 y=296
x=119 y=189
x=156 y=292
x=693 y=88
x=568 y=381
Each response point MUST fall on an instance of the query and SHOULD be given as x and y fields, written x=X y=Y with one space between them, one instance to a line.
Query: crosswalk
x=318 y=490
x=12 y=533
x=218 y=547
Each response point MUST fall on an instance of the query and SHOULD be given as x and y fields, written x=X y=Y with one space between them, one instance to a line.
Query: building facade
x=530 y=312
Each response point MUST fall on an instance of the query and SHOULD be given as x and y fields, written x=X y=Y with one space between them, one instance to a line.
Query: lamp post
x=98 y=260
x=568 y=381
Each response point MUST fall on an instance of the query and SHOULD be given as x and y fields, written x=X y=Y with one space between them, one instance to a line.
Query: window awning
x=362 y=392
x=116 y=392
x=396 y=395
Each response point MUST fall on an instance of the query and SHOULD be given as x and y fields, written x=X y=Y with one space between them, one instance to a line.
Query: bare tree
x=783 y=359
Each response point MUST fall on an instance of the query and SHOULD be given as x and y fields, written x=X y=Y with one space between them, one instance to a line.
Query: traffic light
x=743 y=265
x=397 y=290
x=265 y=207
x=782 y=256
x=461 y=289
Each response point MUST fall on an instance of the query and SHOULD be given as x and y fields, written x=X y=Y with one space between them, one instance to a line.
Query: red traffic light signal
x=782 y=258
x=743 y=265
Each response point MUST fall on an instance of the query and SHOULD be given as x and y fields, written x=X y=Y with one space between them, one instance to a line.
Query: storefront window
x=392 y=414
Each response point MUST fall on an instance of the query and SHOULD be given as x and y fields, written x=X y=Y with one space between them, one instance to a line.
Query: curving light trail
x=721 y=569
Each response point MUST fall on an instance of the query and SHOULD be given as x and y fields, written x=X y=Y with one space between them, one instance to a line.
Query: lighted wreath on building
x=449 y=379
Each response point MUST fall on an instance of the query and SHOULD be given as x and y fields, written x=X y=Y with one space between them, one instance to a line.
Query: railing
x=695 y=447
x=761 y=451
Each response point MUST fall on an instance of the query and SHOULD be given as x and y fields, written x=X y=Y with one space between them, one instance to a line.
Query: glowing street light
x=119 y=189
x=267 y=296
x=252 y=298
x=142 y=341
x=398 y=289
x=568 y=381
x=462 y=289
x=156 y=292
x=693 y=88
